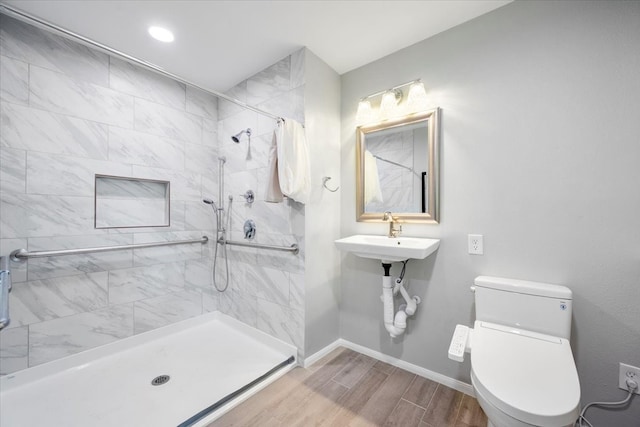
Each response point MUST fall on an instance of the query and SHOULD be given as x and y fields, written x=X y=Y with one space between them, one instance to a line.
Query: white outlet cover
x=475 y=244
x=629 y=372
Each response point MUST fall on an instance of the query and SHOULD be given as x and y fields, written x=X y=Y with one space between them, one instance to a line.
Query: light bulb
x=417 y=98
x=365 y=112
x=389 y=103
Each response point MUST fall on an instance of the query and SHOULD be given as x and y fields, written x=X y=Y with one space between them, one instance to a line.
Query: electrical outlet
x=476 y=246
x=628 y=372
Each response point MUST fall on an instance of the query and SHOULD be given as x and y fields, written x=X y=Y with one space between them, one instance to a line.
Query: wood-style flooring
x=347 y=388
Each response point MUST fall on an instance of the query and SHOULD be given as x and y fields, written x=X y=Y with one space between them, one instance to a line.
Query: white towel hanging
x=292 y=164
x=273 y=192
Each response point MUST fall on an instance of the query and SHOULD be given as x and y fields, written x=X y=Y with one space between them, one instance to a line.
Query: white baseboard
x=308 y=361
x=414 y=369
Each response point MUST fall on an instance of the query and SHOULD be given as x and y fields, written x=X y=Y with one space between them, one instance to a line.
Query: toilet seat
x=529 y=376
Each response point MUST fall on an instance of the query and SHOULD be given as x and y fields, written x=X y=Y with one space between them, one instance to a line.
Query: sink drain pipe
x=396 y=323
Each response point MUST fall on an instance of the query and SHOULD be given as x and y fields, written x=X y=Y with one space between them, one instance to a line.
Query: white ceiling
x=220 y=43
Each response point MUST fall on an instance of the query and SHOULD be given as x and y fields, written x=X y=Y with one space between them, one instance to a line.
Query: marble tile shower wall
x=266 y=287
x=67 y=113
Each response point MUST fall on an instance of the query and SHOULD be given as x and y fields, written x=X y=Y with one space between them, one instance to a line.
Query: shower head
x=210 y=202
x=214 y=207
x=236 y=138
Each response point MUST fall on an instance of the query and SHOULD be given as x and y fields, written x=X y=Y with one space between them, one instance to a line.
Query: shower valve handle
x=249 y=196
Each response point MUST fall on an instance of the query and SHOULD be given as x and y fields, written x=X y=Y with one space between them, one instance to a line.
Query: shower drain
x=160 y=380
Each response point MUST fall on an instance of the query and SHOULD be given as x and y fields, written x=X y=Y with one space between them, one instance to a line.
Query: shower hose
x=221 y=235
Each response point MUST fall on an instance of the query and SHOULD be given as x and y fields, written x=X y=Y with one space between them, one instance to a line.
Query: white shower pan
x=207 y=358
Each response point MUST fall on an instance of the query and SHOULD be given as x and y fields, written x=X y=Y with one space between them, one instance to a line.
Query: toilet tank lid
x=524 y=287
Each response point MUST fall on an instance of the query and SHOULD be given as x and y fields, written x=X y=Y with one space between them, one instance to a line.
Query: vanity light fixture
x=391 y=104
x=161 y=34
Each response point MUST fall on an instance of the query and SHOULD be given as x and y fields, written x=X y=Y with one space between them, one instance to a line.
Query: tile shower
x=68 y=113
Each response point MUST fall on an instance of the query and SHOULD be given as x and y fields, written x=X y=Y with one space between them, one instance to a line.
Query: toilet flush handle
x=473 y=289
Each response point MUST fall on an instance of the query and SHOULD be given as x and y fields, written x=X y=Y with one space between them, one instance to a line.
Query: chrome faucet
x=394 y=227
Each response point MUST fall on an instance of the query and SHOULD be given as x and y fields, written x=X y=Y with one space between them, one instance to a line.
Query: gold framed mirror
x=397 y=169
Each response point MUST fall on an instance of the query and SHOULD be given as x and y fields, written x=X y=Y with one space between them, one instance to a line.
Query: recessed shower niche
x=125 y=202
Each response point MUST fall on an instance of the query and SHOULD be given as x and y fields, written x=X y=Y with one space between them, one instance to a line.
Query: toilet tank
x=533 y=306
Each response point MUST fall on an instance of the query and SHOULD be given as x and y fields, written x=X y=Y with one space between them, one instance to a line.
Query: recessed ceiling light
x=161 y=34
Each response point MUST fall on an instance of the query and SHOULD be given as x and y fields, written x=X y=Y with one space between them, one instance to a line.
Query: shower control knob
x=249 y=196
x=249 y=229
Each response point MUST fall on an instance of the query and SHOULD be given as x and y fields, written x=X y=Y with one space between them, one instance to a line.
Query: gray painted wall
x=540 y=154
x=322 y=213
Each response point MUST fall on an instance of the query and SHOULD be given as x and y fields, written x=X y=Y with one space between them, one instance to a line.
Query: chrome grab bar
x=5 y=288
x=294 y=249
x=23 y=254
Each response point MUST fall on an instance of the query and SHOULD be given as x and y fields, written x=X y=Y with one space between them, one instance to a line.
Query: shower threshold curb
x=231 y=396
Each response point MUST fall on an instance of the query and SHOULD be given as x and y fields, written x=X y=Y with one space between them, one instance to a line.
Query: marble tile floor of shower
x=347 y=388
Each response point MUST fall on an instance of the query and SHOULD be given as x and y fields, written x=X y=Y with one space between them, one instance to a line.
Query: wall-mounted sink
x=388 y=249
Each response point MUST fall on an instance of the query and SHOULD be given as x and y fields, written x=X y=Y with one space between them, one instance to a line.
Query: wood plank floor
x=347 y=388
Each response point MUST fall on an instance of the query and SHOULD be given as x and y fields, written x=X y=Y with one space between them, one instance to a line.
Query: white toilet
x=522 y=368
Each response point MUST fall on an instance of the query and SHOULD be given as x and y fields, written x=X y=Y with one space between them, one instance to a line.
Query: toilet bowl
x=522 y=368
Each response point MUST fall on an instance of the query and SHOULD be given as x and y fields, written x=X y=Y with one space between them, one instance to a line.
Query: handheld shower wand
x=212 y=203
x=221 y=232
x=215 y=210
x=220 y=240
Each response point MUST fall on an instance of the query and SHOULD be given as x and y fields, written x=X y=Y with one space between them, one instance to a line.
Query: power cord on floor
x=632 y=386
